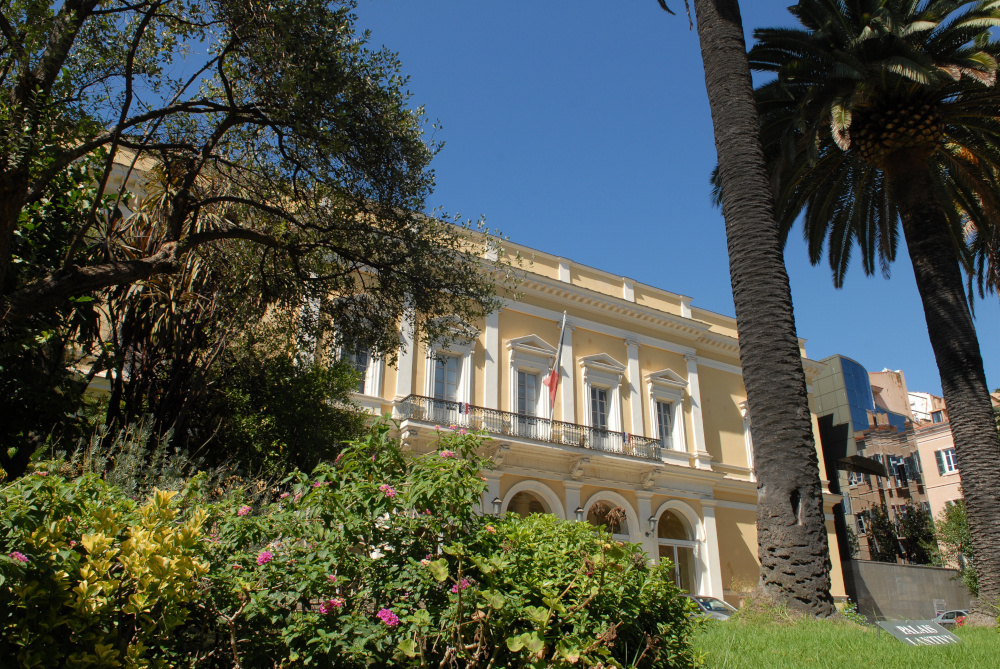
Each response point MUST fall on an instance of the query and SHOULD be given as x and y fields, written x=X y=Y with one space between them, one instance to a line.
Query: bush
x=378 y=559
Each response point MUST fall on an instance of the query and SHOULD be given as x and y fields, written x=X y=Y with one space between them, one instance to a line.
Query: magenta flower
x=387 y=617
x=491 y=529
x=331 y=604
x=463 y=431
x=337 y=459
x=283 y=495
x=244 y=510
x=447 y=454
x=461 y=585
x=331 y=578
x=20 y=557
x=264 y=558
x=317 y=484
x=388 y=490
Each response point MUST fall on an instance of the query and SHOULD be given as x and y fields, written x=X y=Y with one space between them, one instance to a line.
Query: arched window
x=526 y=503
x=677 y=545
x=612 y=518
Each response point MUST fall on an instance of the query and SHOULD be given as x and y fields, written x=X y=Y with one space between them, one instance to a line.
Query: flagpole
x=552 y=379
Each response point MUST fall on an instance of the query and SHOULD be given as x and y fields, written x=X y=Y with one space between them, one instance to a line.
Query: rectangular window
x=527 y=394
x=861 y=525
x=664 y=412
x=946 y=461
x=599 y=408
x=446 y=378
x=359 y=360
x=937 y=416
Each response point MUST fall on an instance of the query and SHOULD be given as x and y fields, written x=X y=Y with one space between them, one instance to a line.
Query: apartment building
x=649 y=415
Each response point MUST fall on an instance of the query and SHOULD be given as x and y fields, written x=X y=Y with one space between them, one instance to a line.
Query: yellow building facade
x=648 y=434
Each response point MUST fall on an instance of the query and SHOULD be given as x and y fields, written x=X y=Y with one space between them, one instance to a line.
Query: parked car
x=951 y=618
x=710 y=607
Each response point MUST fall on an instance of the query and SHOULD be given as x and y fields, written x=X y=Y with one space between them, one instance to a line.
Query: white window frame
x=946 y=461
x=373 y=373
x=462 y=345
x=603 y=371
x=669 y=387
x=531 y=355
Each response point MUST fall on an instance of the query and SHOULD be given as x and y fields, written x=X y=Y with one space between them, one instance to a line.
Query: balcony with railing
x=444 y=412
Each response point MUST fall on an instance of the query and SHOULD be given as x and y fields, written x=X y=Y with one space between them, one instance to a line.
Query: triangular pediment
x=667 y=378
x=531 y=344
x=602 y=361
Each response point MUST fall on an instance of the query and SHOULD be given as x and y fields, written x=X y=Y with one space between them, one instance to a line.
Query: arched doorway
x=526 y=503
x=677 y=544
x=613 y=518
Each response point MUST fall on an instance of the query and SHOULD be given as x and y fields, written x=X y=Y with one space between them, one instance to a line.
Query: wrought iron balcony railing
x=444 y=412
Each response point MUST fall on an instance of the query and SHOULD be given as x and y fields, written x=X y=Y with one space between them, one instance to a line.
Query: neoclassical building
x=648 y=433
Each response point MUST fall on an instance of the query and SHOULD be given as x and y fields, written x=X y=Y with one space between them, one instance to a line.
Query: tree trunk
x=960 y=364
x=791 y=529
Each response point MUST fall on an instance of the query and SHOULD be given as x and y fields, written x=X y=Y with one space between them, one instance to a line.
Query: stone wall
x=887 y=591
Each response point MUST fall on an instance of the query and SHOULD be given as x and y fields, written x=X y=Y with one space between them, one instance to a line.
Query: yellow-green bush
x=94 y=580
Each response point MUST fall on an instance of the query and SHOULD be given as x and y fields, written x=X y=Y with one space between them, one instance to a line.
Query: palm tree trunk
x=791 y=529
x=960 y=364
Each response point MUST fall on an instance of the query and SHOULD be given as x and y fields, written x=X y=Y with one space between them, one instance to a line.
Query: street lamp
x=579 y=513
x=496 y=506
x=652 y=525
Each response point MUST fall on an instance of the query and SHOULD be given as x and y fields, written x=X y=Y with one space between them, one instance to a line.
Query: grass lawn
x=816 y=643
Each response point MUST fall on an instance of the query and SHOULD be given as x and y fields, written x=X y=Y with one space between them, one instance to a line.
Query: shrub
x=378 y=559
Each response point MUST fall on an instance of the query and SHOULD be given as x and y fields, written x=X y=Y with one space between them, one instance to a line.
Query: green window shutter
x=939 y=456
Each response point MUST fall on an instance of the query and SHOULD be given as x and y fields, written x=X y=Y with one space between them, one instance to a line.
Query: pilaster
x=635 y=401
x=697 y=422
x=568 y=383
x=711 y=562
x=491 y=373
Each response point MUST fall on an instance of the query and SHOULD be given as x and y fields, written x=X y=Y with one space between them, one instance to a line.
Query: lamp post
x=652 y=525
x=579 y=514
x=496 y=506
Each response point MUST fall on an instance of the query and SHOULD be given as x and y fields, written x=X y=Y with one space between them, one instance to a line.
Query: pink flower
x=425 y=562
x=447 y=454
x=387 y=617
x=463 y=431
x=337 y=459
x=42 y=473
x=298 y=496
x=72 y=543
x=388 y=490
x=437 y=427
x=244 y=510
x=283 y=495
x=461 y=585
x=20 y=557
x=373 y=457
x=236 y=566
x=452 y=427
x=317 y=484
x=331 y=578
x=491 y=529
x=264 y=558
x=330 y=605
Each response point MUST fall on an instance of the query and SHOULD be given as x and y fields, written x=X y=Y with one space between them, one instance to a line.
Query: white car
x=951 y=618
x=710 y=607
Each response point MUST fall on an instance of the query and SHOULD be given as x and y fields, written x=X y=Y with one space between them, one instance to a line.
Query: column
x=568 y=385
x=491 y=374
x=644 y=508
x=407 y=355
x=711 y=562
x=635 y=402
x=492 y=491
x=572 y=500
x=697 y=424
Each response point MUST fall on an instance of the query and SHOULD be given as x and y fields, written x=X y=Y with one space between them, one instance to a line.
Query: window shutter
x=939 y=456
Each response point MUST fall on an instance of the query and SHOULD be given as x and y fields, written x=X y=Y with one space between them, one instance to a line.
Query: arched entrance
x=677 y=543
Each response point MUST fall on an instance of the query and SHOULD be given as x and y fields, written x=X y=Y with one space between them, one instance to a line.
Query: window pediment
x=531 y=346
x=602 y=362
x=667 y=382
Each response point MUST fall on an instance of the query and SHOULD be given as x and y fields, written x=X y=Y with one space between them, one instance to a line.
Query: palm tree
x=885 y=112
x=791 y=531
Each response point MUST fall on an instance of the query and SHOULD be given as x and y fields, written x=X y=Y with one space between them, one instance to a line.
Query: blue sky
x=582 y=128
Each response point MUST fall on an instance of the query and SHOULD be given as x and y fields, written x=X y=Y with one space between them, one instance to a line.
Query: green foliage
x=883 y=543
x=269 y=411
x=41 y=394
x=850 y=611
x=917 y=529
x=955 y=541
x=90 y=579
x=378 y=559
